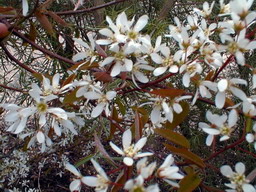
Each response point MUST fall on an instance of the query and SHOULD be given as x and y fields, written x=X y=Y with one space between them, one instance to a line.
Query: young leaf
x=70 y=98
x=103 y=76
x=84 y=160
x=174 y=137
x=69 y=79
x=189 y=183
x=172 y=93
x=185 y=153
x=112 y=125
x=101 y=149
x=46 y=24
x=57 y=19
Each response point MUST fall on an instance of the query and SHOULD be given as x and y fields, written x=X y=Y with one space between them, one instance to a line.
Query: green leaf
x=138 y=126
x=121 y=106
x=101 y=148
x=185 y=153
x=84 y=160
x=172 y=93
x=178 y=118
x=70 y=98
x=189 y=183
x=173 y=137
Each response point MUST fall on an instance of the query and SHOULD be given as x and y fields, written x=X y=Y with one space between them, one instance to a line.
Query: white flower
x=130 y=151
x=203 y=91
x=100 y=182
x=49 y=88
x=238 y=46
x=211 y=55
x=25 y=7
x=190 y=71
x=103 y=101
x=42 y=108
x=59 y=124
x=169 y=172
x=120 y=58
x=137 y=184
x=124 y=31
x=237 y=178
x=89 y=53
x=147 y=47
x=86 y=85
x=225 y=85
x=224 y=8
x=251 y=137
x=166 y=63
x=137 y=72
x=219 y=126
x=206 y=12
x=18 y=116
x=240 y=10
x=144 y=169
x=165 y=106
x=76 y=184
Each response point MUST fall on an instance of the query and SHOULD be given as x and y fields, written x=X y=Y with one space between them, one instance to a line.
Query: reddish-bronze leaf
x=103 y=76
x=70 y=98
x=84 y=66
x=44 y=21
x=69 y=79
x=174 y=137
x=185 y=153
x=32 y=32
x=101 y=148
x=57 y=19
x=172 y=93
x=115 y=117
x=209 y=76
x=190 y=182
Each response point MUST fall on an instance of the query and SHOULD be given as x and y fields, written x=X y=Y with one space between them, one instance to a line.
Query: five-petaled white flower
x=169 y=172
x=224 y=86
x=130 y=151
x=76 y=184
x=103 y=101
x=137 y=184
x=219 y=126
x=238 y=180
x=100 y=182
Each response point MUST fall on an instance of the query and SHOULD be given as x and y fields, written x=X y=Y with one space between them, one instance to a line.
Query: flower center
x=42 y=107
x=238 y=179
x=129 y=152
x=103 y=99
x=191 y=68
x=138 y=189
x=119 y=56
x=133 y=35
x=168 y=61
x=225 y=130
x=102 y=183
x=233 y=47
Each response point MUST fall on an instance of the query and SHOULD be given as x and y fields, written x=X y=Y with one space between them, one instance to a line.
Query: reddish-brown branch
x=230 y=58
x=16 y=60
x=148 y=84
x=45 y=51
x=90 y=9
x=248 y=152
x=12 y=88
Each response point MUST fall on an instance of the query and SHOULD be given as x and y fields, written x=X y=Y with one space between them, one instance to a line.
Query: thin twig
x=16 y=60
